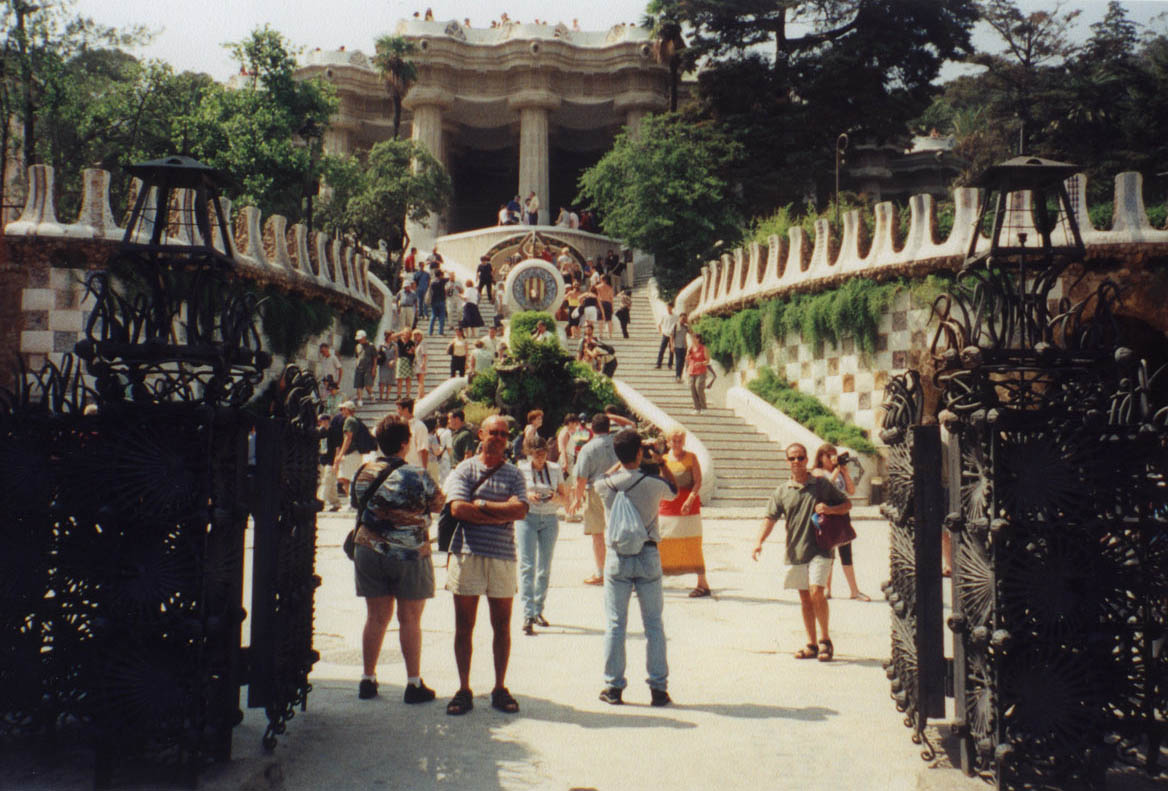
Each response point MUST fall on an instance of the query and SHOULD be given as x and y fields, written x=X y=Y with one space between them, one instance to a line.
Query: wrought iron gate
x=913 y=509
x=127 y=487
x=1060 y=545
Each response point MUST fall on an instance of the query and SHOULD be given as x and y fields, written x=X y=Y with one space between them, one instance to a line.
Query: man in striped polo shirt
x=486 y=494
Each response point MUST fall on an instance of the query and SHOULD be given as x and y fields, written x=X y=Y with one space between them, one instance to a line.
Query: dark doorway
x=483 y=180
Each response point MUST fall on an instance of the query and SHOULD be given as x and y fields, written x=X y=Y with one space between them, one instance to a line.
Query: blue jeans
x=535 y=538
x=621 y=575
x=438 y=313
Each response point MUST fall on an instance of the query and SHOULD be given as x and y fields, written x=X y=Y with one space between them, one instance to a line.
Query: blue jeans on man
x=438 y=313
x=622 y=575
x=535 y=539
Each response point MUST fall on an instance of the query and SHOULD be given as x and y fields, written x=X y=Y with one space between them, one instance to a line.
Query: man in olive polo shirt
x=798 y=499
x=462 y=440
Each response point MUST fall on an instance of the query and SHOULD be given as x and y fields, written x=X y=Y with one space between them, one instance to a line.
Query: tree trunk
x=397 y=108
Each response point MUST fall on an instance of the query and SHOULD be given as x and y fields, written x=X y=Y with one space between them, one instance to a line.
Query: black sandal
x=826 y=651
x=810 y=651
x=461 y=703
x=502 y=701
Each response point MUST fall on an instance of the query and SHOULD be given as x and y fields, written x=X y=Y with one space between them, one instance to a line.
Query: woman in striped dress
x=680 y=519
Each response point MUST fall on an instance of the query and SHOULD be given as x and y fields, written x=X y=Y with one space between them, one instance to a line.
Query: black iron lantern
x=1028 y=195
x=150 y=216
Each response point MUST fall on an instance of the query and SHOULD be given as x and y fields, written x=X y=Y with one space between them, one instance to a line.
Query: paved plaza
x=746 y=714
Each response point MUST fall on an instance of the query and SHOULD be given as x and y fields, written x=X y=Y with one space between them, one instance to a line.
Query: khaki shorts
x=350 y=463
x=803 y=576
x=475 y=575
x=593 y=514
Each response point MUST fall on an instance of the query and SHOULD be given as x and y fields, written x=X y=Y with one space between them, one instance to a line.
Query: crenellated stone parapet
x=267 y=252
x=797 y=264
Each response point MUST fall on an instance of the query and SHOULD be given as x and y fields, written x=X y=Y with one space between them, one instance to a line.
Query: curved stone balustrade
x=267 y=251
x=743 y=277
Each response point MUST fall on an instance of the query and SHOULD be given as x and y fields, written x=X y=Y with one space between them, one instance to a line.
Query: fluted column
x=428 y=106
x=534 y=110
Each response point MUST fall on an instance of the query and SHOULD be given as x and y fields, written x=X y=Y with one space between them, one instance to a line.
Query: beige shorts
x=593 y=514
x=350 y=463
x=803 y=576
x=475 y=575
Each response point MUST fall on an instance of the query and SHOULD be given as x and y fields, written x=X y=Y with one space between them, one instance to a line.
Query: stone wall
x=1132 y=253
x=44 y=264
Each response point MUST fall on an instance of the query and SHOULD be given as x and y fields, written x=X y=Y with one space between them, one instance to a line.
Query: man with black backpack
x=631 y=499
x=354 y=443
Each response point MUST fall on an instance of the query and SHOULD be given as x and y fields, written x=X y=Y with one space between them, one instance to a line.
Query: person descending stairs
x=748 y=464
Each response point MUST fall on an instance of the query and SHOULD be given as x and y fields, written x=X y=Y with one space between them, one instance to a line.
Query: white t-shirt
x=419 y=441
x=330 y=366
x=541 y=485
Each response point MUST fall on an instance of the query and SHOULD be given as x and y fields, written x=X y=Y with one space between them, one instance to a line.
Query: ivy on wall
x=350 y=322
x=850 y=310
x=290 y=321
x=809 y=411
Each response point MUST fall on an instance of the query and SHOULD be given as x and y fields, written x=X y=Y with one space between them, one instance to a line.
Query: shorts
x=803 y=576
x=475 y=575
x=606 y=309
x=350 y=463
x=362 y=377
x=593 y=514
x=380 y=575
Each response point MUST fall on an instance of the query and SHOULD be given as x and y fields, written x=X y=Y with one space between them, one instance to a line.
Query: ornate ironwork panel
x=123 y=575
x=1059 y=562
x=916 y=669
x=284 y=578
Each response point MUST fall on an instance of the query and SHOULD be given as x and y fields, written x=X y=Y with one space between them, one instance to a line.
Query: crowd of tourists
x=504 y=490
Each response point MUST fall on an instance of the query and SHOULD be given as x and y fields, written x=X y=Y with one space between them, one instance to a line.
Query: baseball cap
x=361 y=335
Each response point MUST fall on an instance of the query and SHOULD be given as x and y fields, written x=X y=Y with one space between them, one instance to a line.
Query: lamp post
x=841 y=145
x=311 y=134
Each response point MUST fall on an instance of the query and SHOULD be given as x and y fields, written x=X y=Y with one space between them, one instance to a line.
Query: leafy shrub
x=476 y=413
x=483 y=386
x=523 y=324
x=351 y=321
x=1100 y=215
x=810 y=412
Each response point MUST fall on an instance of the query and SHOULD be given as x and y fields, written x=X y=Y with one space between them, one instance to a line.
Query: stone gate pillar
x=428 y=106
x=534 y=108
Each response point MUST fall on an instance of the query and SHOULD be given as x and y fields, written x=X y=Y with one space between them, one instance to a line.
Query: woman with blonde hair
x=680 y=519
x=826 y=466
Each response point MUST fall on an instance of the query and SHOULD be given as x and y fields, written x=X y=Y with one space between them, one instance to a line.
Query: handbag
x=447 y=524
x=832 y=530
x=350 y=543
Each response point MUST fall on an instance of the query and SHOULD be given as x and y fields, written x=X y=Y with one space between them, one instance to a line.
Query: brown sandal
x=826 y=651
x=810 y=651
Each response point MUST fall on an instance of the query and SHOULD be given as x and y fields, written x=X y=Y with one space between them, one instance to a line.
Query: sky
x=190 y=32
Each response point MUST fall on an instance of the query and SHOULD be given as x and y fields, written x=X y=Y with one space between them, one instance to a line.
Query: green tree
x=259 y=133
x=784 y=79
x=38 y=41
x=392 y=59
x=1035 y=45
x=372 y=195
x=665 y=191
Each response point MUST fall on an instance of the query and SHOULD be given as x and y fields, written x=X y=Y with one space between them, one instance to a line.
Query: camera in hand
x=843 y=458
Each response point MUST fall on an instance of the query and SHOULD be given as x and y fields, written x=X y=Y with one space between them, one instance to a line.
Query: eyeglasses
x=796 y=458
x=497 y=433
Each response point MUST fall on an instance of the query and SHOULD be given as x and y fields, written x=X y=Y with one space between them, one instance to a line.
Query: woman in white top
x=535 y=534
x=420 y=362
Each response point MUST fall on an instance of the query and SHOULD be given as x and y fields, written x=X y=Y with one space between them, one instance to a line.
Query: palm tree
x=392 y=60
x=668 y=46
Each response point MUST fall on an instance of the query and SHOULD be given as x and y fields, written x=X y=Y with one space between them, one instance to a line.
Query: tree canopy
x=372 y=195
x=666 y=190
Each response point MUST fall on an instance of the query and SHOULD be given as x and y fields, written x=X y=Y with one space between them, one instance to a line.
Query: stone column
x=636 y=105
x=534 y=109
x=428 y=106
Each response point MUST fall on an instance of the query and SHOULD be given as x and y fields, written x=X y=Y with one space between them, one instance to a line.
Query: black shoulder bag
x=362 y=502
x=447 y=524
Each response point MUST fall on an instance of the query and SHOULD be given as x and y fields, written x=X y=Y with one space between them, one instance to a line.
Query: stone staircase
x=749 y=465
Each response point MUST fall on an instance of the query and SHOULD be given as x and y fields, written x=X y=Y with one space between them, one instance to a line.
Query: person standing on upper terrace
x=666 y=327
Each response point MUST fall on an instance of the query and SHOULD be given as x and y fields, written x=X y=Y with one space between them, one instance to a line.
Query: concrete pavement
x=746 y=714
